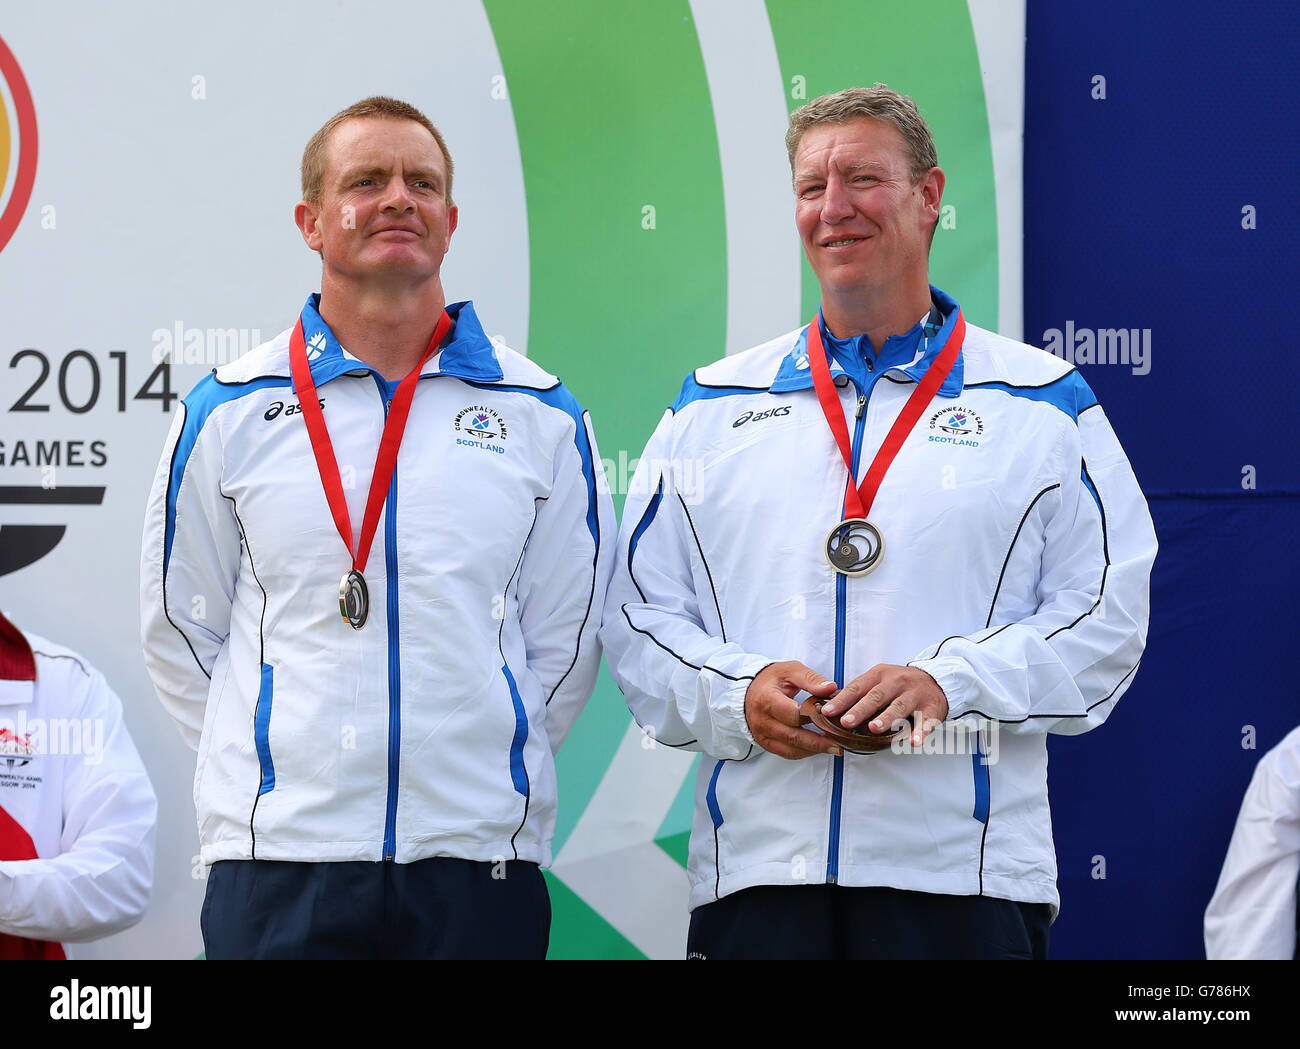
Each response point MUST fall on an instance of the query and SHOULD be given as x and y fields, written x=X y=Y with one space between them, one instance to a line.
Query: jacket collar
x=466 y=354
x=794 y=373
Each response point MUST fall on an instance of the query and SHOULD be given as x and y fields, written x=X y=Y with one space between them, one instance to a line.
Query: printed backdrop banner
x=625 y=216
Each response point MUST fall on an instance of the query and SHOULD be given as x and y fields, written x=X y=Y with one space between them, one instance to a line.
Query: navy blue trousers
x=440 y=908
x=807 y=922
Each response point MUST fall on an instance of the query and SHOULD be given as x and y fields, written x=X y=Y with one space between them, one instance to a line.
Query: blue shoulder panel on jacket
x=693 y=390
x=207 y=396
x=1070 y=393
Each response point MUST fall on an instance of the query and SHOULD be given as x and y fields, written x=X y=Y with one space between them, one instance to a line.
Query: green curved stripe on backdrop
x=613 y=114
x=925 y=49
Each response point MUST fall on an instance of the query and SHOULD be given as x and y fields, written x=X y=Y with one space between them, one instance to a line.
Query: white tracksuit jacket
x=431 y=730
x=1253 y=911
x=1018 y=549
x=77 y=811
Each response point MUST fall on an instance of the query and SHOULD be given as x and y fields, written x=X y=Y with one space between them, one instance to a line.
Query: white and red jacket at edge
x=77 y=811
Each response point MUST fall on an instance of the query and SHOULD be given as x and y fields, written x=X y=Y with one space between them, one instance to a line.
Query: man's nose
x=397 y=196
x=836 y=205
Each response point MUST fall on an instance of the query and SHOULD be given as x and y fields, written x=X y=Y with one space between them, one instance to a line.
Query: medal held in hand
x=855 y=546
x=859 y=740
x=354 y=595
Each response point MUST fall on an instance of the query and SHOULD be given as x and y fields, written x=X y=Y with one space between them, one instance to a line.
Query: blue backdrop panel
x=1133 y=219
x=1155 y=790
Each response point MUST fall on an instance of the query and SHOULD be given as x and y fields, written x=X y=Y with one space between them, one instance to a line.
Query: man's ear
x=453 y=216
x=932 y=191
x=307 y=217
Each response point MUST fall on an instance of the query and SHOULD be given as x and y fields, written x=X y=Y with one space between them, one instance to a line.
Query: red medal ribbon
x=17 y=663
x=857 y=501
x=389 y=443
x=16 y=844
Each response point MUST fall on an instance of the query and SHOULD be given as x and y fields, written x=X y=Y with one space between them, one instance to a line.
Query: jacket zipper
x=394 y=667
x=841 y=589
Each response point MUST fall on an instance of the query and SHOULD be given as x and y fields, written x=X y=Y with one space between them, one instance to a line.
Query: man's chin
x=400 y=258
x=845 y=279
x=392 y=267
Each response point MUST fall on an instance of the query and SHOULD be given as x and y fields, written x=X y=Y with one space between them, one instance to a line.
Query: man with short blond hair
x=373 y=566
x=314 y=156
x=916 y=548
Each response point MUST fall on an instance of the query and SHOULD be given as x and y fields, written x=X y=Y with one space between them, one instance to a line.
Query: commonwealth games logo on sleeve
x=17 y=144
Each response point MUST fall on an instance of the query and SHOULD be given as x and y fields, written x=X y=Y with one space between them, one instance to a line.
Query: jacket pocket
x=262 y=730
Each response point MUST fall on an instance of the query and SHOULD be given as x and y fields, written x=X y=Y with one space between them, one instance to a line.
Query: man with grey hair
x=957 y=564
